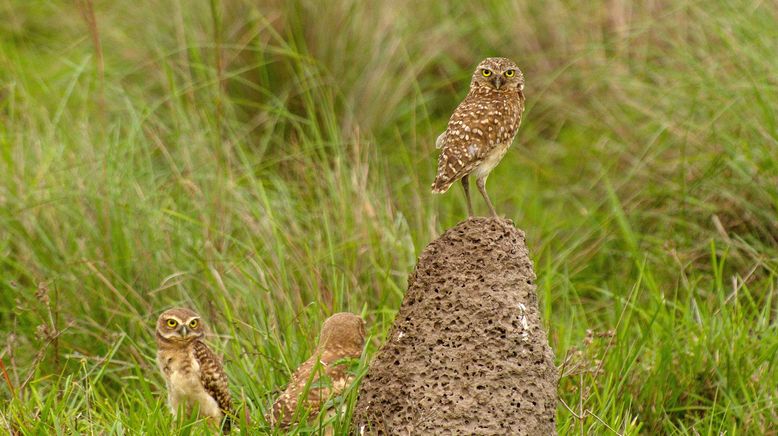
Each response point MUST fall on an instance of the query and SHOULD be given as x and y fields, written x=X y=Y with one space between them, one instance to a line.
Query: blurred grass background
x=267 y=163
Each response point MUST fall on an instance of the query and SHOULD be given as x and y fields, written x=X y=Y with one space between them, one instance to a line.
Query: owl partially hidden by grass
x=482 y=128
x=194 y=375
x=322 y=376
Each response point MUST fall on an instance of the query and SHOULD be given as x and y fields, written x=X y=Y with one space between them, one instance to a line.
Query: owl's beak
x=497 y=82
x=184 y=331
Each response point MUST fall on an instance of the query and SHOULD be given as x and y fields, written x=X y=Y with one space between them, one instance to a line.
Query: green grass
x=268 y=163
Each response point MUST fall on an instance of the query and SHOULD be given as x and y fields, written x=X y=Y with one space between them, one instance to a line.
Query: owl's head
x=179 y=325
x=501 y=74
x=344 y=331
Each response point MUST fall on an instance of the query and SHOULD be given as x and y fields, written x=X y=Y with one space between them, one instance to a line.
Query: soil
x=467 y=353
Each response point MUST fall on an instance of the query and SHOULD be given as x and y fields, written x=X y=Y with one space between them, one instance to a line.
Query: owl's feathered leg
x=466 y=186
x=172 y=402
x=481 y=182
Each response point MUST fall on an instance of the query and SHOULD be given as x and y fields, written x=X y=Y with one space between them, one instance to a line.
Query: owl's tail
x=441 y=184
x=446 y=174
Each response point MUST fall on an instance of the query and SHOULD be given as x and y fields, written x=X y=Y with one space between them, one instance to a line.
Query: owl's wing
x=214 y=380
x=463 y=144
x=286 y=404
x=319 y=391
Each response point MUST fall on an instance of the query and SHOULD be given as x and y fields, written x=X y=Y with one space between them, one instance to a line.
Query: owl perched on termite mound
x=482 y=128
x=194 y=375
x=342 y=337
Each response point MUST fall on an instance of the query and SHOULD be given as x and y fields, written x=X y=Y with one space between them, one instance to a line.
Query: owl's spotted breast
x=183 y=372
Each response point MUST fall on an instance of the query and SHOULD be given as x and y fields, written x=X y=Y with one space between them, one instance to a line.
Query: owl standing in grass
x=482 y=128
x=194 y=375
x=342 y=337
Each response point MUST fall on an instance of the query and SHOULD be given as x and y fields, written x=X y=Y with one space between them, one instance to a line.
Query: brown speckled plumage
x=342 y=337
x=482 y=127
x=194 y=375
x=213 y=377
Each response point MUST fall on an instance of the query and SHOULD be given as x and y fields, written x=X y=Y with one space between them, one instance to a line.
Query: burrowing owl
x=194 y=375
x=482 y=127
x=342 y=337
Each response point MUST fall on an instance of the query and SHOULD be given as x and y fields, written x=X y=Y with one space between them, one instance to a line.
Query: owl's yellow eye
x=193 y=323
x=171 y=323
x=486 y=72
x=510 y=73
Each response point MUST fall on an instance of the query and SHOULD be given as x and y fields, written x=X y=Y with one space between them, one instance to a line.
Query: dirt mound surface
x=467 y=353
